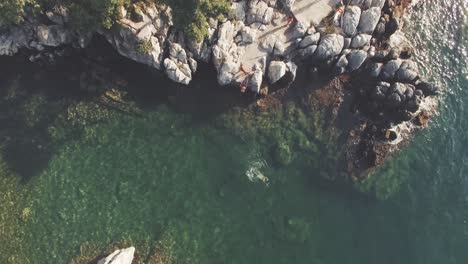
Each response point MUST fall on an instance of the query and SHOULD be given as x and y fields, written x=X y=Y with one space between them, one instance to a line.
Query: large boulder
x=177 y=65
x=121 y=256
x=276 y=71
x=369 y=20
x=227 y=72
x=350 y=20
x=180 y=73
x=330 y=46
x=356 y=58
x=389 y=69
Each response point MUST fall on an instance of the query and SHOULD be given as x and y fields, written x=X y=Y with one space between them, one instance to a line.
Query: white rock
x=350 y=20
x=178 y=72
x=276 y=71
x=121 y=256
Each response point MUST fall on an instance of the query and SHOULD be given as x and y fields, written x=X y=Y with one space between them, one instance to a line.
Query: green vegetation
x=145 y=47
x=190 y=16
x=12 y=11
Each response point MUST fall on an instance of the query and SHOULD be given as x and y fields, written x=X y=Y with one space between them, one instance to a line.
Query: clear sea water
x=169 y=176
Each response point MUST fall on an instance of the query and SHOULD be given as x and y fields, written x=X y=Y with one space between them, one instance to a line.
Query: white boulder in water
x=120 y=256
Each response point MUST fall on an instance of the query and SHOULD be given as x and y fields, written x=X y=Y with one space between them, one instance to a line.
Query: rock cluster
x=351 y=43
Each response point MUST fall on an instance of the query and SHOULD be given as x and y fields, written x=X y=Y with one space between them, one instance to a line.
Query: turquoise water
x=168 y=175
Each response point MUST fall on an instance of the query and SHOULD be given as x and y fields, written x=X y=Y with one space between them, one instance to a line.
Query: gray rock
x=276 y=71
x=176 y=52
x=307 y=52
x=292 y=69
x=389 y=69
x=53 y=36
x=342 y=61
x=366 y=4
x=121 y=256
x=350 y=20
x=375 y=69
x=288 y=4
x=393 y=100
x=405 y=75
x=238 y=10
x=330 y=46
x=311 y=30
x=371 y=52
x=378 y=3
x=347 y=43
x=399 y=88
x=369 y=20
x=279 y=48
x=255 y=81
x=268 y=43
x=428 y=89
x=355 y=2
x=226 y=72
x=310 y=40
x=356 y=59
x=260 y=12
x=299 y=30
x=360 y=41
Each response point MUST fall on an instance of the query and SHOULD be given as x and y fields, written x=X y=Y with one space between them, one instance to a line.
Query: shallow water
x=171 y=176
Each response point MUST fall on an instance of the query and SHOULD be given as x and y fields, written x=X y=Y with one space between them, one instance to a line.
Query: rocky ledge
x=260 y=46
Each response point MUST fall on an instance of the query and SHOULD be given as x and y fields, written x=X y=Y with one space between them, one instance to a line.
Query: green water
x=171 y=175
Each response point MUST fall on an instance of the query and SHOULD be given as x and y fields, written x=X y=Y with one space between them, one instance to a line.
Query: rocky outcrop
x=120 y=256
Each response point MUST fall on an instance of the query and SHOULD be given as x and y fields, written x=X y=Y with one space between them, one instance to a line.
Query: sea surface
x=80 y=175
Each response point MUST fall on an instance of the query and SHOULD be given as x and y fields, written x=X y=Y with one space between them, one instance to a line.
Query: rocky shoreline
x=261 y=45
